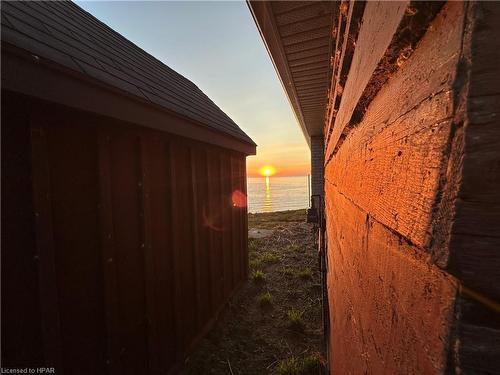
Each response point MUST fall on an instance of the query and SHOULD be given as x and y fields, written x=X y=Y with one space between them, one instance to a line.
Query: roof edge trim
x=42 y=79
x=262 y=16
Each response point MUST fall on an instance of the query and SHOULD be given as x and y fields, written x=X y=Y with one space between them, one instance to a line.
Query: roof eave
x=264 y=21
x=49 y=81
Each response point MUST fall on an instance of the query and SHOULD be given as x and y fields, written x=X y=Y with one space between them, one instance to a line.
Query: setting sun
x=267 y=170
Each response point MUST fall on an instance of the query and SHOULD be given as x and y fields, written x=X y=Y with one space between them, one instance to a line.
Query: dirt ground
x=273 y=324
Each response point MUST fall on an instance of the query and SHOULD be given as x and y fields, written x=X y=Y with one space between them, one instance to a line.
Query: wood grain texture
x=417 y=180
x=391 y=164
x=341 y=41
x=475 y=232
x=476 y=340
x=380 y=21
x=390 y=309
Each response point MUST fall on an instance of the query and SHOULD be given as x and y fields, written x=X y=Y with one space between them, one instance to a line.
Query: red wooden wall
x=120 y=244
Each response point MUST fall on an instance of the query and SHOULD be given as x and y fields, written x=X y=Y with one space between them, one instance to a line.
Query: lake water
x=277 y=193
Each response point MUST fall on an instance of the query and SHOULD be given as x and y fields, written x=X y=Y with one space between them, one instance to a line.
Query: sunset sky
x=218 y=47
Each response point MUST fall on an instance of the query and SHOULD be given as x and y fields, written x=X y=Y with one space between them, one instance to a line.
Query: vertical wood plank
x=51 y=330
x=174 y=248
x=208 y=237
x=108 y=257
x=232 y=225
x=226 y=233
x=22 y=339
x=74 y=186
x=195 y=225
x=127 y=223
x=245 y=221
x=188 y=303
x=242 y=223
x=214 y=223
x=174 y=207
x=161 y=236
x=149 y=269
x=201 y=188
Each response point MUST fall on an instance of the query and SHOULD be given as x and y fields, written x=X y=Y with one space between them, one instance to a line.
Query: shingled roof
x=67 y=35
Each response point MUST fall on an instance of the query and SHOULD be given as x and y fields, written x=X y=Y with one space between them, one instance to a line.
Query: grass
x=252 y=245
x=289 y=366
x=296 y=249
x=295 y=321
x=270 y=257
x=258 y=276
x=313 y=364
x=305 y=274
x=265 y=299
x=288 y=271
x=255 y=330
x=254 y=264
x=272 y=219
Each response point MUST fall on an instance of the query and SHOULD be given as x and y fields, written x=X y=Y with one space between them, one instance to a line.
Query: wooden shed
x=124 y=220
x=399 y=102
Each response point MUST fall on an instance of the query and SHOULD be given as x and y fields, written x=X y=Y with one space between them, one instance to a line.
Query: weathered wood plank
x=392 y=163
x=475 y=232
x=390 y=308
x=345 y=35
x=475 y=343
x=392 y=172
x=380 y=21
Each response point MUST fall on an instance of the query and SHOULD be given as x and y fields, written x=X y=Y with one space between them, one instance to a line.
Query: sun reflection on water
x=268 y=201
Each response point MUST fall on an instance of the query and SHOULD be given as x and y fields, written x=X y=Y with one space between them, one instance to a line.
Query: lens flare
x=239 y=199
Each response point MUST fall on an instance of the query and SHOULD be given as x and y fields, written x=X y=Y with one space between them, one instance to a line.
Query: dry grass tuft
x=289 y=366
x=265 y=299
x=295 y=321
x=258 y=276
x=305 y=274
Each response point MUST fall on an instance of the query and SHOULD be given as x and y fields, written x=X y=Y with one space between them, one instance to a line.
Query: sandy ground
x=273 y=324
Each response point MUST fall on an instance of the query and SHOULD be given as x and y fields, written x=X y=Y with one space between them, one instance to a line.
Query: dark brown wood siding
x=120 y=244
